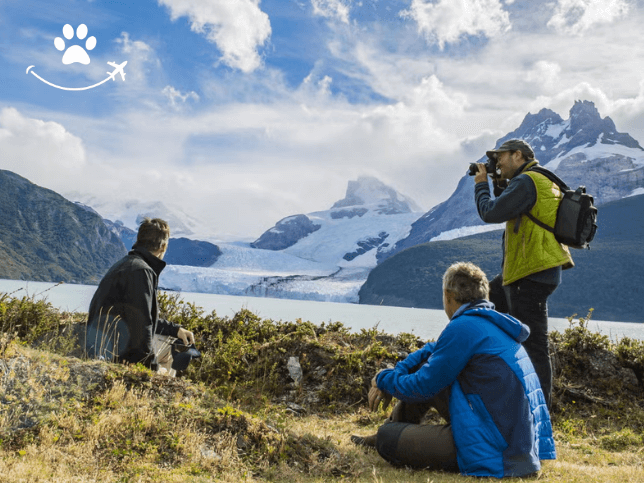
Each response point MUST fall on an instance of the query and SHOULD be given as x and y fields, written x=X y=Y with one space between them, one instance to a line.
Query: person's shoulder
x=523 y=182
x=132 y=263
x=469 y=322
x=525 y=177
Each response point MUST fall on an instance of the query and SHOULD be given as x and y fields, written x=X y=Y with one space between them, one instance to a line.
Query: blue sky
x=241 y=112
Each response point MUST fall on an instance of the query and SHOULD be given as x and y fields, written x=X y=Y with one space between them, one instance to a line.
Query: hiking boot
x=368 y=441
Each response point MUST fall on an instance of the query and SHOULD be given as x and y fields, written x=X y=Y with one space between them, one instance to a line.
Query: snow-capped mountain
x=371 y=217
x=585 y=149
x=130 y=213
x=325 y=255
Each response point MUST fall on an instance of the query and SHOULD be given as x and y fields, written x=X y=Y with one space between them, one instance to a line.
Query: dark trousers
x=403 y=441
x=526 y=300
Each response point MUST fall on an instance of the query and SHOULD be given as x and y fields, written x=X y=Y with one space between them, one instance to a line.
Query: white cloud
x=545 y=74
x=140 y=56
x=313 y=89
x=448 y=20
x=175 y=97
x=433 y=96
x=43 y=152
x=133 y=47
x=474 y=146
x=578 y=16
x=335 y=9
x=237 y=27
x=631 y=111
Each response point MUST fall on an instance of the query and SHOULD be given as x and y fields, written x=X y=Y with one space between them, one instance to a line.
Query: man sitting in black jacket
x=123 y=322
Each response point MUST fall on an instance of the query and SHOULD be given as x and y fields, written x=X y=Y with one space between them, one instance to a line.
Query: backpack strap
x=540 y=223
x=551 y=176
x=556 y=180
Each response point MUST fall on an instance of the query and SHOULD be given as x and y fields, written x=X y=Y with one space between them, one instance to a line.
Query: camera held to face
x=490 y=167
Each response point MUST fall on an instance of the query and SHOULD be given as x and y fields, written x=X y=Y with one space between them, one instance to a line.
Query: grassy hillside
x=608 y=278
x=238 y=415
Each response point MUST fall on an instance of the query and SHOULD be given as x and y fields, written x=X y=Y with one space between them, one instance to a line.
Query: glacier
x=329 y=264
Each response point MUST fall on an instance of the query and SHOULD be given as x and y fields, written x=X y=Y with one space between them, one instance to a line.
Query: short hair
x=153 y=233
x=466 y=282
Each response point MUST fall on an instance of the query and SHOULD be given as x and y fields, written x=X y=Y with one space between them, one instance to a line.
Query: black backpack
x=576 y=222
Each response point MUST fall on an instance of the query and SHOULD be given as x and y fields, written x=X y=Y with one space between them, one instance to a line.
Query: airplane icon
x=118 y=69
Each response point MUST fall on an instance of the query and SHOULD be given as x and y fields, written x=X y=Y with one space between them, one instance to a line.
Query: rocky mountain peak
x=552 y=137
x=588 y=127
x=583 y=114
x=370 y=191
x=545 y=117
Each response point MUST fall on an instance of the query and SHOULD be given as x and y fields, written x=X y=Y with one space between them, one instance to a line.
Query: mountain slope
x=608 y=278
x=44 y=237
x=583 y=150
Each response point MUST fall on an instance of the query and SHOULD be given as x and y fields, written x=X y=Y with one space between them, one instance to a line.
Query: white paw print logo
x=75 y=53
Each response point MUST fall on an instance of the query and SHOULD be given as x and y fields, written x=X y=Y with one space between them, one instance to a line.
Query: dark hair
x=153 y=234
x=466 y=282
x=526 y=157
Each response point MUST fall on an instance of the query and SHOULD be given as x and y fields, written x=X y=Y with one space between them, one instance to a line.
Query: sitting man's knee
x=387 y=441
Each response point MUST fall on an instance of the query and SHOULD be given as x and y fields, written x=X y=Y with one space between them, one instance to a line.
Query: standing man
x=480 y=379
x=532 y=258
x=123 y=322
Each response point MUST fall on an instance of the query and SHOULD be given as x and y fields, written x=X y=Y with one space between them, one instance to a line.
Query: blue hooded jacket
x=500 y=421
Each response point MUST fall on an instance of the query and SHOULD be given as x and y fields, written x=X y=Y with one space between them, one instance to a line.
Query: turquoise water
x=425 y=323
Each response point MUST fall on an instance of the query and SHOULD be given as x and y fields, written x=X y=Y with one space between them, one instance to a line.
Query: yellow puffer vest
x=528 y=247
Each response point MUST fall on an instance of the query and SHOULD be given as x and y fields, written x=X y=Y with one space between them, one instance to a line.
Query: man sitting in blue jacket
x=480 y=379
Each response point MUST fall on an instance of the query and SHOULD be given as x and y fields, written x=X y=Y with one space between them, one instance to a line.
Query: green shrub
x=579 y=339
x=630 y=353
x=28 y=319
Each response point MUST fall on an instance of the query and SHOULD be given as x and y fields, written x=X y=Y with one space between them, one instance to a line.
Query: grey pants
x=163 y=350
x=403 y=441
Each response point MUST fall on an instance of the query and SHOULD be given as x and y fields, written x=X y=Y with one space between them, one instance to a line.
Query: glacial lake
x=425 y=323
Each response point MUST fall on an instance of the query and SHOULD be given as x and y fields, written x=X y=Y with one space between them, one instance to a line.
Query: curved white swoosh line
x=67 y=88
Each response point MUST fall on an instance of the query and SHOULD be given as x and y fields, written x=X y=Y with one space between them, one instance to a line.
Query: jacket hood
x=508 y=324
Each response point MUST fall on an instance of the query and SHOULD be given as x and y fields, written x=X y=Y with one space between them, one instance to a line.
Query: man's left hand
x=481 y=174
x=186 y=336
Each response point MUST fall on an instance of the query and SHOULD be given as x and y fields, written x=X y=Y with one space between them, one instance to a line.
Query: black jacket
x=123 y=314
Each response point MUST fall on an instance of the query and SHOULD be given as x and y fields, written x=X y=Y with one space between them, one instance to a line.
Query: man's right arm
x=518 y=198
x=412 y=361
